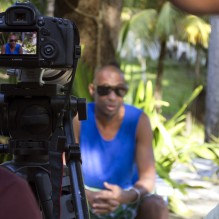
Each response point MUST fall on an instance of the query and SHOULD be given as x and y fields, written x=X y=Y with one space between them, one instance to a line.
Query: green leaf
x=195 y=93
x=179 y=207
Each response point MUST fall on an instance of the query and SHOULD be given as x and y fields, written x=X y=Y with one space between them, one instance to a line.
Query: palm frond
x=167 y=21
x=196 y=30
x=140 y=26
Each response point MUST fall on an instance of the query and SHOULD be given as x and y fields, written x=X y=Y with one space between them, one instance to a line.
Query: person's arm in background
x=76 y=128
x=20 y=50
x=145 y=156
x=198 y=6
x=3 y=49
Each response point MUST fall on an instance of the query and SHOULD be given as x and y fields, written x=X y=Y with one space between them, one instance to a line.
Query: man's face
x=12 y=41
x=108 y=90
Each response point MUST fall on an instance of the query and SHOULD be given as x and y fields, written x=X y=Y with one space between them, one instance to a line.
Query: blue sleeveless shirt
x=111 y=161
x=8 y=51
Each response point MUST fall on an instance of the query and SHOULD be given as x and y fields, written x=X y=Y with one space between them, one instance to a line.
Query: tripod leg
x=73 y=200
x=78 y=190
x=73 y=158
x=67 y=210
x=44 y=190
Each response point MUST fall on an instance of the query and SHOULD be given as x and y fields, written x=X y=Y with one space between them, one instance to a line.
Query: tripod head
x=30 y=111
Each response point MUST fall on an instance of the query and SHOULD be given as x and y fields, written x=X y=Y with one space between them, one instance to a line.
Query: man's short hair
x=111 y=63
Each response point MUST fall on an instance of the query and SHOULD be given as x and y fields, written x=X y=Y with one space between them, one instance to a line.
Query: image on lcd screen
x=15 y=43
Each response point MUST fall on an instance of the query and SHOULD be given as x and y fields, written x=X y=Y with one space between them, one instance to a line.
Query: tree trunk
x=197 y=67
x=158 y=86
x=212 y=97
x=50 y=7
x=98 y=22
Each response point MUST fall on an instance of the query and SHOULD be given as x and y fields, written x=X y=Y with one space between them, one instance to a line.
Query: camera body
x=44 y=64
x=47 y=42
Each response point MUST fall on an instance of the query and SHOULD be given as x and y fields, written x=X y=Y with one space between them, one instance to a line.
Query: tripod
x=39 y=123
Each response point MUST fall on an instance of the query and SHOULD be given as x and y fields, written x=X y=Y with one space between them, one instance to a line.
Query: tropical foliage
x=150 y=29
x=40 y=4
x=171 y=143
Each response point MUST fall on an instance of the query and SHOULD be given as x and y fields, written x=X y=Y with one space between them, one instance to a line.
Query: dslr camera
x=47 y=42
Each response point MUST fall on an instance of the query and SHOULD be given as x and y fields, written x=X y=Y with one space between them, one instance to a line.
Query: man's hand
x=108 y=200
x=104 y=201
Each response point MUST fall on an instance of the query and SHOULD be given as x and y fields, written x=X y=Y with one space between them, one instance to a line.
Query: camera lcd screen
x=18 y=43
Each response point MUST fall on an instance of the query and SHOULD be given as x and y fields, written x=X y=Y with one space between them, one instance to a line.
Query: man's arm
x=20 y=50
x=198 y=6
x=3 y=49
x=145 y=156
x=76 y=128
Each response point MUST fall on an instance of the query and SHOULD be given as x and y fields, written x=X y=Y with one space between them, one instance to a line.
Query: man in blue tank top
x=12 y=47
x=116 y=146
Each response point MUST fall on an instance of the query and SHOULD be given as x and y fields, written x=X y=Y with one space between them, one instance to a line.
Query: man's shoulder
x=90 y=110
x=90 y=106
x=132 y=113
x=18 y=45
x=129 y=107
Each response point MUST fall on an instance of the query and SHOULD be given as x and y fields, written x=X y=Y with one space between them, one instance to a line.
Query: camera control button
x=60 y=21
x=55 y=19
x=65 y=22
x=48 y=51
x=41 y=22
x=42 y=39
x=45 y=32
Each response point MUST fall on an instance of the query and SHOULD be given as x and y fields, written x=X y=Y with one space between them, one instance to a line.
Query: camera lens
x=57 y=76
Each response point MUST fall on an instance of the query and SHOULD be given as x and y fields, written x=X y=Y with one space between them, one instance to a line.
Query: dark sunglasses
x=13 y=40
x=106 y=90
